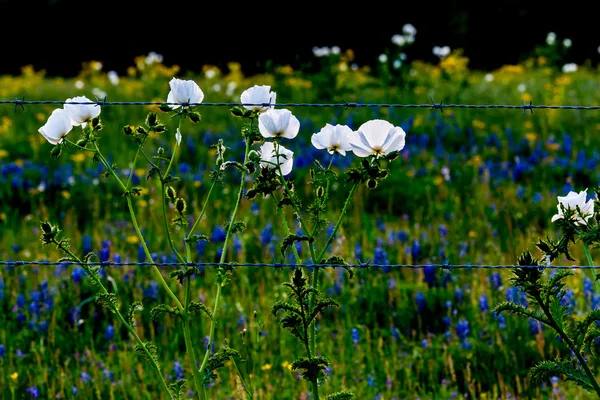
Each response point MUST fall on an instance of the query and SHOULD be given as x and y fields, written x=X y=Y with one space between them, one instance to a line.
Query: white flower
x=570 y=67
x=97 y=65
x=178 y=137
x=551 y=38
x=184 y=91
x=57 y=127
x=230 y=88
x=113 y=77
x=79 y=84
x=259 y=95
x=383 y=58
x=154 y=57
x=521 y=88
x=336 y=139
x=99 y=93
x=567 y=43
x=278 y=123
x=402 y=56
x=377 y=138
x=397 y=64
x=335 y=50
x=268 y=157
x=211 y=73
x=216 y=87
x=409 y=29
x=572 y=201
x=81 y=114
x=398 y=40
x=441 y=52
x=488 y=77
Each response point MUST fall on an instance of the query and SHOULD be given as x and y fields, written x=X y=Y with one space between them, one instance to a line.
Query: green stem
x=571 y=345
x=213 y=321
x=133 y=167
x=294 y=205
x=193 y=228
x=103 y=289
x=287 y=228
x=591 y=274
x=157 y=272
x=138 y=231
x=187 y=333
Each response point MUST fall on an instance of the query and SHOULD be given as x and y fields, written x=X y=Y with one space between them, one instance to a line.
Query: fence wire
x=347 y=105
x=363 y=265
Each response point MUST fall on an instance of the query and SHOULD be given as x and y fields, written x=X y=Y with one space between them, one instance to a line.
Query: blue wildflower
x=355 y=336
x=77 y=274
x=108 y=375
x=109 y=333
x=402 y=236
x=358 y=253
x=87 y=244
x=178 y=370
x=462 y=329
x=218 y=234
x=151 y=292
x=33 y=391
x=534 y=326
x=484 y=306
x=459 y=295
x=85 y=377
x=266 y=235
x=568 y=300
x=496 y=280
x=2 y=350
x=429 y=276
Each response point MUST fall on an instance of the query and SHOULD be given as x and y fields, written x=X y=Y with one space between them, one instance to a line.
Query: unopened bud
x=170 y=193
x=180 y=206
x=320 y=192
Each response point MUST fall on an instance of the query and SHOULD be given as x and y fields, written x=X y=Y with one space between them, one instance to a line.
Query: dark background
x=57 y=35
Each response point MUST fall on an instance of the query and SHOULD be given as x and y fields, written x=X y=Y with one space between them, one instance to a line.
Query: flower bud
x=170 y=193
x=128 y=130
x=320 y=192
x=181 y=206
x=56 y=150
x=46 y=227
x=160 y=151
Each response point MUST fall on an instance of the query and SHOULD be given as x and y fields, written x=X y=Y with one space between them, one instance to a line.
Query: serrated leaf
x=217 y=361
x=197 y=307
x=291 y=239
x=196 y=238
x=311 y=368
x=176 y=387
x=164 y=309
x=108 y=301
x=543 y=371
x=135 y=306
x=344 y=395
x=148 y=351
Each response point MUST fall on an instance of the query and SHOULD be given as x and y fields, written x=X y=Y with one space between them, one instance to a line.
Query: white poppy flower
x=178 y=137
x=59 y=124
x=79 y=84
x=278 y=123
x=489 y=77
x=259 y=95
x=383 y=58
x=81 y=114
x=398 y=40
x=521 y=88
x=184 y=91
x=336 y=139
x=335 y=50
x=551 y=38
x=409 y=29
x=268 y=157
x=377 y=138
x=572 y=201
x=567 y=43
x=568 y=68
x=113 y=77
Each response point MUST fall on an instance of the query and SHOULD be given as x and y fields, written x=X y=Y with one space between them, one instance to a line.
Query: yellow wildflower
x=266 y=367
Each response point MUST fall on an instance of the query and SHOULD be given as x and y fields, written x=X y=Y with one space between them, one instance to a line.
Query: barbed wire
x=362 y=265
x=344 y=104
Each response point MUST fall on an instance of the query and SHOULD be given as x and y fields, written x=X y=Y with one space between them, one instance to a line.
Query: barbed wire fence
x=21 y=103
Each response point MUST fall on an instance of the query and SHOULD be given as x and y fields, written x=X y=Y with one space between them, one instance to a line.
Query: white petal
x=396 y=142
x=287 y=166
x=59 y=124
x=376 y=132
x=178 y=137
x=359 y=145
x=171 y=100
x=292 y=128
x=267 y=124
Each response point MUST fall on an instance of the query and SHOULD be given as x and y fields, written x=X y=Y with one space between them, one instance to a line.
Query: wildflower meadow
x=298 y=234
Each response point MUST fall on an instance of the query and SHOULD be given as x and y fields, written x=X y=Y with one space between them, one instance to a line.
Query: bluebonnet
x=370 y=381
x=588 y=287
x=108 y=375
x=151 y=292
x=484 y=306
x=218 y=234
x=2 y=350
x=77 y=274
x=1 y=289
x=109 y=333
x=534 y=326
x=87 y=244
x=459 y=295
x=358 y=253
x=255 y=209
x=141 y=253
x=200 y=248
x=421 y=302
x=429 y=276
x=355 y=336
x=178 y=370
x=33 y=391
x=568 y=300
x=402 y=236
x=266 y=235
x=415 y=251
x=20 y=300
x=380 y=224
x=443 y=230
x=237 y=245
x=462 y=329
x=496 y=279
x=85 y=377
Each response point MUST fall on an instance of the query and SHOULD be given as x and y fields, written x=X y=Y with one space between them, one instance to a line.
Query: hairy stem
x=287 y=228
x=193 y=228
x=591 y=274
x=189 y=344
x=571 y=345
x=120 y=317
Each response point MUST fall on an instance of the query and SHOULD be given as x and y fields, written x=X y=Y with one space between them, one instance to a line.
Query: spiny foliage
x=108 y=301
x=176 y=387
x=164 y=309
x=197 y=307
x=217 y=361
x=344 y=395
x=311 y=368
x=545 y=370
x=148 y=351
x=135 y=306
x=291 y=239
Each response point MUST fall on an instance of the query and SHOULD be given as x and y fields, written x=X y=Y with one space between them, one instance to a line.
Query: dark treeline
x=57 y=35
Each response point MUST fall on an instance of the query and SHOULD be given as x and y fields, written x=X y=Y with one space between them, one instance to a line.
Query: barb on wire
x=360 y=265
x=347 y=105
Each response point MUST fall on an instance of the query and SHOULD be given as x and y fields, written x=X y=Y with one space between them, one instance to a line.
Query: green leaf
x=56 y=151
x=194 y=116
x=545 y=370
x=165 y=108
x=135 y=306
x=152 y=349
x=291 y=239
x=108 y=301
x=152 y=172
x=238 y=227
x=311 y=368
x=516 y=309
x=197 y=307
x=559 y=313
x=176 y=387
x=196 y=238
x=320 y=306
x=218 y=361
x=164 y=309
x=344 y=395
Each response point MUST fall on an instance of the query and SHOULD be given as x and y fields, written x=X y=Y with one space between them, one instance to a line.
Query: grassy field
x=471 y=186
